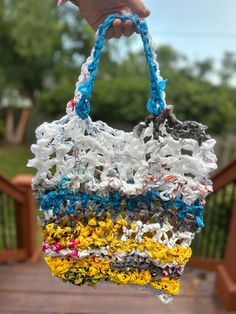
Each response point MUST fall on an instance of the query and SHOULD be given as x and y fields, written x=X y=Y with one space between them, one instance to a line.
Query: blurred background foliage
x=42 y=49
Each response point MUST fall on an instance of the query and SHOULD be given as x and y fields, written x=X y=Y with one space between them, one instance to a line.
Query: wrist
x=75 y=2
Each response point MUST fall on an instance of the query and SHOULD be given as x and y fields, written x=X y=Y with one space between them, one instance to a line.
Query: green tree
x=123 y=96
x=228 y=67
x=204 y=67
x=40 y=46
x=27 y=47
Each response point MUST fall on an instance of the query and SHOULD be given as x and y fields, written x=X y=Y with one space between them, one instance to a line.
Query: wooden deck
x=30 y=289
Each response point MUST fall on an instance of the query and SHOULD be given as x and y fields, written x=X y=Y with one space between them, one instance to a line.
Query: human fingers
x=110 y=33
x=137 y=7
x=117 y=28
x=128 y=28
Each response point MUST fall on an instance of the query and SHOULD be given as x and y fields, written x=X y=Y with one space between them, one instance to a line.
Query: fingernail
x=147 y=12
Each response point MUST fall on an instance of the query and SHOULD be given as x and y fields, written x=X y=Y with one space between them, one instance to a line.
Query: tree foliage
x=37 y=44
x=42 y=48
x=123 y=97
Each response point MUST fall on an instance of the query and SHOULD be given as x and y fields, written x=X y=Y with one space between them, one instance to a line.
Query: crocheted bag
x=121 y=206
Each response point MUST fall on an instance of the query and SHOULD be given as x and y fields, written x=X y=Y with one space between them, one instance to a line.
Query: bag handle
x=84 y=88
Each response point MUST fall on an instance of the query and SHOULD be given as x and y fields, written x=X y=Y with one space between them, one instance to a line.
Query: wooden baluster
x=27 y=217
x=226 y=271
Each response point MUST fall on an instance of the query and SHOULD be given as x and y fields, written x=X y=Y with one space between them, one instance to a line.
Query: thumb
x=137 y=7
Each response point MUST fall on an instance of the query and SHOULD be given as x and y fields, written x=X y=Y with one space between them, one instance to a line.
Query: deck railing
x=17 y=219
x=215 y=247
x=209 y=246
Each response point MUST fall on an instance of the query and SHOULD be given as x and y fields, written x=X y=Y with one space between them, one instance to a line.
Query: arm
x=95 y=12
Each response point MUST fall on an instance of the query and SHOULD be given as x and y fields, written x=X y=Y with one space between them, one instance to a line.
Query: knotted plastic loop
x=156 y=102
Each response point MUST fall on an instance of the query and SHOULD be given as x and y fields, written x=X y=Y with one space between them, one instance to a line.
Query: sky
x=196 y=28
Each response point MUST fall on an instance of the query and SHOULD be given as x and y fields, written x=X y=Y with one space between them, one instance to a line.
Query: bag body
x=121 y=206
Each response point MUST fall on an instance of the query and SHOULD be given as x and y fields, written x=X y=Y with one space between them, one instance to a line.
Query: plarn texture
x=117 y=206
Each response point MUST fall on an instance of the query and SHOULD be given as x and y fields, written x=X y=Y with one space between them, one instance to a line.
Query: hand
x=96 y=11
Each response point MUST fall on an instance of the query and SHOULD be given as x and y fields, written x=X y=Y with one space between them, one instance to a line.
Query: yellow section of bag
x=94 y=270
x=98 y=234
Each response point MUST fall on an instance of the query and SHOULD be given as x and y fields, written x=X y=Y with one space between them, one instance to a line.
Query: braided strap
x=84 y=87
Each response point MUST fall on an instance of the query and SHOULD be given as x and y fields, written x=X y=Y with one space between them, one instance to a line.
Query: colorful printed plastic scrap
x=117 y=206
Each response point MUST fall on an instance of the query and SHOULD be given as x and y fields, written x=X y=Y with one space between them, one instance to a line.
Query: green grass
x=13 y=160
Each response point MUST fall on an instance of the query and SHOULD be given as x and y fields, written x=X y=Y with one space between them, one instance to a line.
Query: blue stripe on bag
x=54 y=200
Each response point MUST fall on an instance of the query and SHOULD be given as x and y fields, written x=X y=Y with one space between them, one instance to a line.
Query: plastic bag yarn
x=121 y=206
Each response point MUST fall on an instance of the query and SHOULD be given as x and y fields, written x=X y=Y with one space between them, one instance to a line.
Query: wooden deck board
x=28 y=289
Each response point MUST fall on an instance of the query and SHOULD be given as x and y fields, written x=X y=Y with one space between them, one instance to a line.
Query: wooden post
x=20 y=130
x=28 y=216
x=226 y=272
